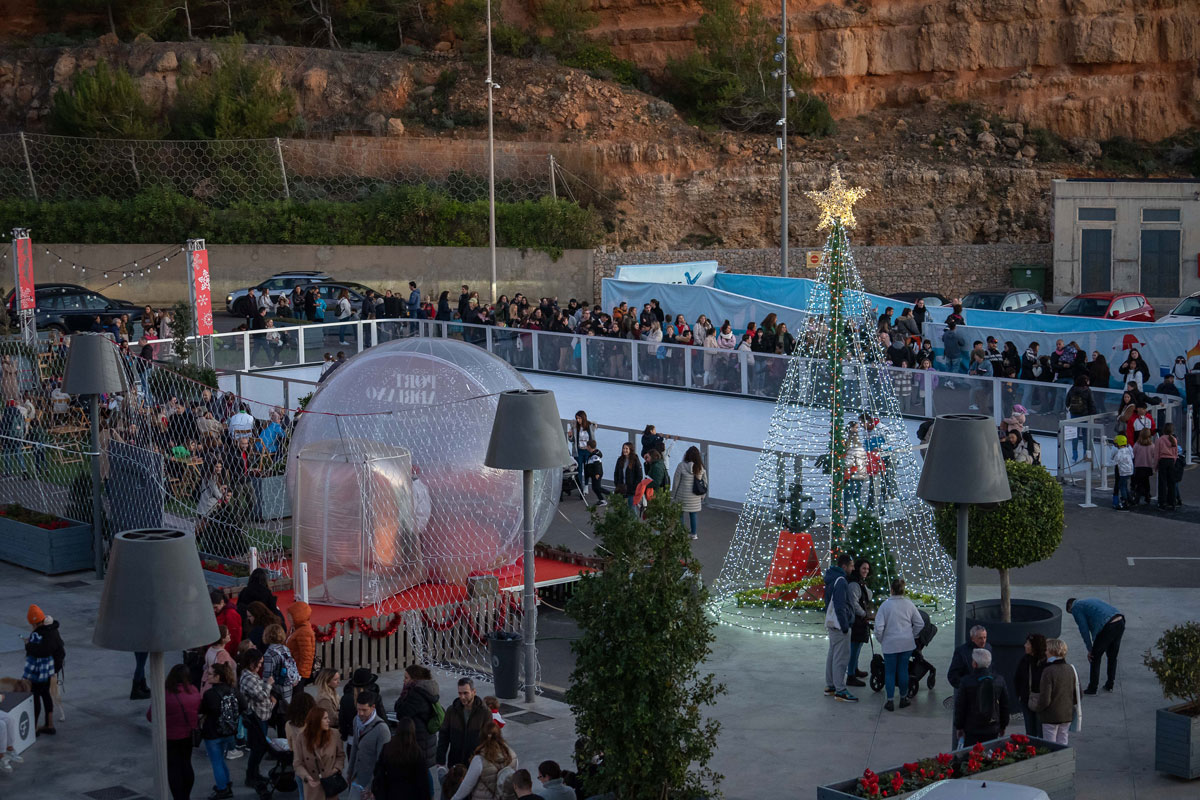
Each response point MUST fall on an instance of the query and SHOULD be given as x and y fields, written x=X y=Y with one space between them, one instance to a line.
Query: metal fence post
x=633 y=361
x=583 y=351
x=28 y=166
x=997 y=406
x=553 y=186
x=487 y=338
x=246 y=350
x=300 y=359
x=287 y=192
x=533 y=352
x=743 y=368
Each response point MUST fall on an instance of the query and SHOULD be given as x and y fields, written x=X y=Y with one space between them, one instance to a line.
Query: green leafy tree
x=1018 y=532
x=1177 y=665
x=104 y=103
x=728 y=79
x=637 y=692
x=237 y=100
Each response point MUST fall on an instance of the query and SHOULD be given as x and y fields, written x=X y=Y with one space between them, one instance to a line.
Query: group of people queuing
x=638 y=476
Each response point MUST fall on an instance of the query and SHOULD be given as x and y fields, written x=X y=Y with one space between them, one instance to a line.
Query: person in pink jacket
x=1145 y=458
x=1167 y=451
x=183 y=716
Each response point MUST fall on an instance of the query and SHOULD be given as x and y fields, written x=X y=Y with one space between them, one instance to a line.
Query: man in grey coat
x=371 y=733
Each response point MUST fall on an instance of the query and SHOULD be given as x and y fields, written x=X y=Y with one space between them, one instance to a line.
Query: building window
x=1160 y=215
x=1097 y=215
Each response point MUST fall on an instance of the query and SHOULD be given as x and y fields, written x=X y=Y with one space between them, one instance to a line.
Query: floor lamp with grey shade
x=963 y=465
x=155 y=600
x=527 y=435
x=93 y=369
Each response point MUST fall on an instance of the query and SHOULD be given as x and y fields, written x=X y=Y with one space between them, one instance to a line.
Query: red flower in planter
x=1020 y=738
x=978 y=748
x=1031 y=750
x=945 y=759
x=897 y=782
x=913 y=767
x=1009 y=747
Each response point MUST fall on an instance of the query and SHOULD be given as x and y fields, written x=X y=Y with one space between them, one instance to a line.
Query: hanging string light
x=837 y=471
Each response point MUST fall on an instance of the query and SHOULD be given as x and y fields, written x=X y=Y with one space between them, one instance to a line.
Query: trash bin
x=1029 y=276
x=505 y=648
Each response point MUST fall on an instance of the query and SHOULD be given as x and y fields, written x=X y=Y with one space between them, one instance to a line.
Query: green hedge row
x=402 y=215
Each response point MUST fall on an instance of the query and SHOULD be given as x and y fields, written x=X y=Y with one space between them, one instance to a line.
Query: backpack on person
x=437 y=715
x=986 y=703
x=230 y=714
x=287 y=674
x=1077 y=405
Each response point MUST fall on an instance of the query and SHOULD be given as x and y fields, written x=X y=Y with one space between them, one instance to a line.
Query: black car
x=70 y=309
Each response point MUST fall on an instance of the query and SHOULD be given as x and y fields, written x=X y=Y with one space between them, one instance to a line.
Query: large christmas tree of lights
x=837 y=472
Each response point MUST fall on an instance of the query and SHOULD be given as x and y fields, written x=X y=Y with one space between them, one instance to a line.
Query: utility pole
x=782 y=71
x=491 y=84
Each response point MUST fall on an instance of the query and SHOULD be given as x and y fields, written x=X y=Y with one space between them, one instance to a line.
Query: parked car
x=69 y=308
x=1111 y=305
x=931 y=298
x=279 y=283
x=1187 y=310
x=1025 y=301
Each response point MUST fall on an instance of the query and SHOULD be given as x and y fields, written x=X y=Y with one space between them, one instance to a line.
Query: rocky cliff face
x=1095 y=68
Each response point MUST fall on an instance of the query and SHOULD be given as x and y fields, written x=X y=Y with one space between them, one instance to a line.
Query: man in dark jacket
x=981 y=704
x=838 y=619
x=960 y=664
x=362 y=680
x=464 y=721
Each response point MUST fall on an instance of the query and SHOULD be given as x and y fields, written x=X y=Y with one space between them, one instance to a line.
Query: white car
x=1188 y=310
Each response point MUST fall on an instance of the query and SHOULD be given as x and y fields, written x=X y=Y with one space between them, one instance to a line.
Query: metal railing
x=923 y=394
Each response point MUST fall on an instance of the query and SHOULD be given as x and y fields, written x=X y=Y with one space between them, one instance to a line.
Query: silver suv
x=279 y=283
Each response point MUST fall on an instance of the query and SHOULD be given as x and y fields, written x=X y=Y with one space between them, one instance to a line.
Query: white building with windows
x=1126 y=236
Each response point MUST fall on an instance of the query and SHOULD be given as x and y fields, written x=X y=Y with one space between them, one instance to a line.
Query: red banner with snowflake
x=202 y=291
x=25 y=285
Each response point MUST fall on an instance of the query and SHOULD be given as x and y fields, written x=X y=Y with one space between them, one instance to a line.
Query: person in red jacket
x=303 y=641
x=228 y=616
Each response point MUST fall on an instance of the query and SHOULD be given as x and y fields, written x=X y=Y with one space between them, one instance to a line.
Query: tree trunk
x=1005 y=598
x=112 y=23
x=187 y=15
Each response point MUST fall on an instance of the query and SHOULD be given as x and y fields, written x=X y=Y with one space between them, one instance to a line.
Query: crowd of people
x=259 y=693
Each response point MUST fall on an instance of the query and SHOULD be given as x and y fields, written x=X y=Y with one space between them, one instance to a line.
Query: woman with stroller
x=897 y=624
x=863 y=607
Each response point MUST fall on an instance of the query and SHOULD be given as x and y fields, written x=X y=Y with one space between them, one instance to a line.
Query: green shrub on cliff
x=104 y=103
x=402 y=215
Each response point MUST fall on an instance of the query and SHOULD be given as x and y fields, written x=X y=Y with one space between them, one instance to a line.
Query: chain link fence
x=224 y=172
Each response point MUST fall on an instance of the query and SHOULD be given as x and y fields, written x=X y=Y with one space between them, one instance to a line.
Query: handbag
x=1077 y=714
x=699 y=486
x=1034 y=697
x=197 y=736
x=332 y=785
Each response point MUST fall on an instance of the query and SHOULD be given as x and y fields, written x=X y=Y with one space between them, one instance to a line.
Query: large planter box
x=1177 y=743
x=1053 y=773
x=270 y=498
x=53 y=552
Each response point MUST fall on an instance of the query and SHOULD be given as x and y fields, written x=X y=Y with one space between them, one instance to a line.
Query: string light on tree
x=837 y=472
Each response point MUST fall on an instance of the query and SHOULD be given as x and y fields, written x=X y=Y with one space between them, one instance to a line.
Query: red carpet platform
x=547 y=572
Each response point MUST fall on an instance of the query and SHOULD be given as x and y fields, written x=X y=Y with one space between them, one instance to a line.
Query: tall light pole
x=786 y=90
x=491 y=84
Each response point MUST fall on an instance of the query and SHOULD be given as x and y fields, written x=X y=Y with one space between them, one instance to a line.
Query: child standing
x=1123 y=460
x=493 y=705
x=1145 y=458
x=595 y=470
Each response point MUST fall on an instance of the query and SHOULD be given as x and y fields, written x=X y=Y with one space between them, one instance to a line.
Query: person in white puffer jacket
x=897 y=624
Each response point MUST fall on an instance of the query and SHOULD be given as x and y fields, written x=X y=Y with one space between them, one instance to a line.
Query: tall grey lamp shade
x=527 y=435
x=963 y=463
x=155 y=600
x=93 y=366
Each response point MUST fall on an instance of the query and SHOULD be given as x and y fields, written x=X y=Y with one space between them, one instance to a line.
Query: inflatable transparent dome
x=434 y=399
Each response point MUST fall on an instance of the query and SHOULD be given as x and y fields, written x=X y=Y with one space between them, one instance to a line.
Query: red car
x=1111 y=305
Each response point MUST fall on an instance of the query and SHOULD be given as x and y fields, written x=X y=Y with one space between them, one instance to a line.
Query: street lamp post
x=527 y=435
x=491 y=84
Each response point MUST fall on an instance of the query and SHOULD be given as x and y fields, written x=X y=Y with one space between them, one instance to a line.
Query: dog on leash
x=21 y=685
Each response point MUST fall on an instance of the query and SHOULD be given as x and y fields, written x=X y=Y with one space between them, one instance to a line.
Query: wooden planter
x=1053 y=773
x=1177 y=742
x=50 y=551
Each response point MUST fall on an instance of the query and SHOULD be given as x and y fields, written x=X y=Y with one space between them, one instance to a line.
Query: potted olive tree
x=1015 y=533
x=1177 y=729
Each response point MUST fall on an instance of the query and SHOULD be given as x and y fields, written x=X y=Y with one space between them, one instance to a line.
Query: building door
x=1160 y=263
x=1096 y=260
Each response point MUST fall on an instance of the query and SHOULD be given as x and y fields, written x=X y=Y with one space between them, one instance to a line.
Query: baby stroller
x=572 y=481
x=280 y=777
x=918 y=667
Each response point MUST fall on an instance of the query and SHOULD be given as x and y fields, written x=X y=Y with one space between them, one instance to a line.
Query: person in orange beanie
x=44 y=655
x=303 y=641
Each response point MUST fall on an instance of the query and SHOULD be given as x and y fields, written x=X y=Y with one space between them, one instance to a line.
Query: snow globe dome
x=435 y=399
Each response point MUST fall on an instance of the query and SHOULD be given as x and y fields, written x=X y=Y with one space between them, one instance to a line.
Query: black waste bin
x=505 y=648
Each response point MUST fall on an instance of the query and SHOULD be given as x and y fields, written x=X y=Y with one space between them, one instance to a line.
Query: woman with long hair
x=183 y=717
x=258 y=619
x=297 y=714
x=328 y=698
x=443 y=308
x=257 y=589
x=483 y=773
x=320 y=754
x=345 y=313
x=580 y=433
x=219 y=714
x=260 y=704
x=687 y=474
x=400 y=772
x=416 y=703
x=216 y=654
x=628 y=473
x=1027 y=678
x=1168 y=452
x=861 y=603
